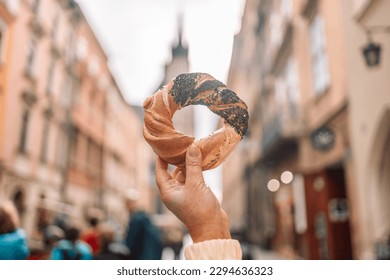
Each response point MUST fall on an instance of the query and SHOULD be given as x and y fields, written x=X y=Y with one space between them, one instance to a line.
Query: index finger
x=162 y=174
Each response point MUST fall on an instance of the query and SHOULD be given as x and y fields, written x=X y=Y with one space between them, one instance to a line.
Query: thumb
x=194 y=173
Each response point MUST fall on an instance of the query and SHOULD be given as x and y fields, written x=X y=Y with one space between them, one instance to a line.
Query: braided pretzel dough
x=194 y=89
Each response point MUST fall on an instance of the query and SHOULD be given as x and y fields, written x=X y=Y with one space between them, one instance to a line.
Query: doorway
x=328 y=231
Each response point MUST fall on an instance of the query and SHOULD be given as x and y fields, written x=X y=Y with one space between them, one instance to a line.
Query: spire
x=179 y=49
x=180 y=27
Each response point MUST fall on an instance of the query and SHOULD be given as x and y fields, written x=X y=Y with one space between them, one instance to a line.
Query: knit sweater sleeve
x=218 y=249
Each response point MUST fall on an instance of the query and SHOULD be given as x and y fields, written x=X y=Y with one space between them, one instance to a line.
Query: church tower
x=183 y=119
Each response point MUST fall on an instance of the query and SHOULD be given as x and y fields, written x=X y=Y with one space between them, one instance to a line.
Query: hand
x=186 y=194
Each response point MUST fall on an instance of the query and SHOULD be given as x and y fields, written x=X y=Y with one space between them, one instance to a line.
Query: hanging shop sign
x=323 y=139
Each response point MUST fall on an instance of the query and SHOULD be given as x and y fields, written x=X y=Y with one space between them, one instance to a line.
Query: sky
x=137 y=36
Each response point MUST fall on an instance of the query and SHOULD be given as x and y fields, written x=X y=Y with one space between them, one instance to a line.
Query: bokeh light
x=273 y=185
x=286 y=177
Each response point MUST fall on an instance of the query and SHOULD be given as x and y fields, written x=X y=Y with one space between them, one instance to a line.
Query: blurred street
x=260 y=254
x=309 y=180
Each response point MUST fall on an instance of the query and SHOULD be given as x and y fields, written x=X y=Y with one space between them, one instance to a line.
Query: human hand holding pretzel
x=186 y=194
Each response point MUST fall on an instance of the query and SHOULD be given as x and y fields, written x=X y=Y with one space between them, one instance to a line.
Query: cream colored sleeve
x=218 y=249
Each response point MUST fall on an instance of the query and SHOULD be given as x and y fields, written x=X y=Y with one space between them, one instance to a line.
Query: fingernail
x=194 y=151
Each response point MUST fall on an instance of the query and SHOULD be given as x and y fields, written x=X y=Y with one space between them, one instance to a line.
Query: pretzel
x=194 y=89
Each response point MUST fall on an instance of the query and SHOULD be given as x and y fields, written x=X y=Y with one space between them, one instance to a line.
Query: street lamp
x=372 y=51
x=372 y=54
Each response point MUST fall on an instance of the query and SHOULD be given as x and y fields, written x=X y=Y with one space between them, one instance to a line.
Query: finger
x=176 y=171
x=194 y=174
x=162 y=174
x=179 y=175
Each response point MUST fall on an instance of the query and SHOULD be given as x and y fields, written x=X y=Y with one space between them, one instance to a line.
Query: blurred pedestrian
x=143 y=238
x=51 y=235
x=110 y=249
x=91 y=234
x=71 y=248
x=13 y=240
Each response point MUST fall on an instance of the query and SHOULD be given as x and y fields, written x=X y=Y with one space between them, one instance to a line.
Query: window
x=276 y=30
x=19 y=200
x=24 y=130
x=62 y=147
x=280 y=91
x=31 y=58
x=90 y=155
x=93 y=66
x=66 y=92
x=3 y=33
x=74 y=147
x=35 y=6
x=45 y=138
x=287 y=89
x=50 y=77
x=286 y=9
x=320 y=68
x=70 y=49
x=94 y=157
x=82 y=49
x=54 y=29
x=292 y=85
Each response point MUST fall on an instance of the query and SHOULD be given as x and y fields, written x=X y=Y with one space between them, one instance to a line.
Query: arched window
x=18 y=198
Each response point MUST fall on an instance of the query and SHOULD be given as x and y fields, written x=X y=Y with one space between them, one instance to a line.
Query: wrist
x=196 y=237
x=211 y=230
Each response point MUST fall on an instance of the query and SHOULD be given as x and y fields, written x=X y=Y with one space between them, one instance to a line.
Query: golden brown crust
x=194 y=89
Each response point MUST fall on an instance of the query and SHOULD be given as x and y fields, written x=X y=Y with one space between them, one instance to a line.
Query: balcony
x=280 y=34
x=280 y=136
x=37 y=27
x=285 y=46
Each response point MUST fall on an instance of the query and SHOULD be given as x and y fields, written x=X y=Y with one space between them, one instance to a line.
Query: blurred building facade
x=8 y=12
x=70 y=144
x=369 y=89
x=308 y=173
